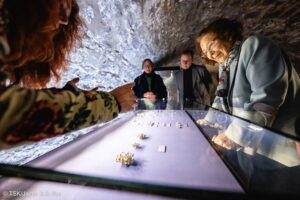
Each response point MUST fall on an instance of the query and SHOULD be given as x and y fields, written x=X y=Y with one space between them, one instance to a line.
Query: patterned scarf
x=222 y=88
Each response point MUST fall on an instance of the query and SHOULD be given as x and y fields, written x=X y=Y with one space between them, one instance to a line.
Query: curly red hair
x=37 y=53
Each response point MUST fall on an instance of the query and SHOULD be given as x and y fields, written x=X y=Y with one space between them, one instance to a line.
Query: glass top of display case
x=253 y=160
x=264 y=160
x=164 y=150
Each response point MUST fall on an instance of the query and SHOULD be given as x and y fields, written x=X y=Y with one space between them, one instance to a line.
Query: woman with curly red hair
x=40 y=34
x=36 y=37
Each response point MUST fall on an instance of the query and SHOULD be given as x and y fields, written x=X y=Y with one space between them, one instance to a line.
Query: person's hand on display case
x=124 y=94
x=298 y=148
x=223 y=141
x=150 y=95
x=125 y=97
x=203 y=122
x=71 y=85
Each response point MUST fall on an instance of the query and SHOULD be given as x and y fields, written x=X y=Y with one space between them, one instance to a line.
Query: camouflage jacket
x=32 y=115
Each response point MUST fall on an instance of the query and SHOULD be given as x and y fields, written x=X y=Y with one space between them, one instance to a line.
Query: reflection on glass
x=264 y=160
x=175 y=99
x=151 y=104
x=169 y=80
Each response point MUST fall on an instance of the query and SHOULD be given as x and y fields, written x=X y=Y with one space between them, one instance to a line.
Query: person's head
x=148 y=66
x=41 y=34
x=216 y=40
x=186 y=59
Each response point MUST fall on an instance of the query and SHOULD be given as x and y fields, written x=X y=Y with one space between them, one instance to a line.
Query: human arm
x=137 y=88
x=124 y=94
x=125 y=97
x=206 y=78
x=150 y=96
x=298 y=148
x=266 y=74
x=31 y=115
x=202 y=84
x=162 y=90
x=260 y=87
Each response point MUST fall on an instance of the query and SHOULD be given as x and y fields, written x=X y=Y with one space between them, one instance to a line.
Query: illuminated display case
x=171 y=154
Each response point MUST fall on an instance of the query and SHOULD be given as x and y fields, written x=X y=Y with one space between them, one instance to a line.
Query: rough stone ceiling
x=120 y=34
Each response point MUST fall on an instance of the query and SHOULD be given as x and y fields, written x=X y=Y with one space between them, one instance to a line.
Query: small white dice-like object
x=162 y=148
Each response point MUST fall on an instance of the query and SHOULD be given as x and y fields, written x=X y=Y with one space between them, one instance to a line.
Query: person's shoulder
x=257 y=40
x=178 y=71
x=139 y=76
x=157 y=76
x=198 y=67
x=258 y=47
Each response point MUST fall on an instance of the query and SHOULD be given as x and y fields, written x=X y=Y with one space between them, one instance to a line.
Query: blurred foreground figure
x=36 y=37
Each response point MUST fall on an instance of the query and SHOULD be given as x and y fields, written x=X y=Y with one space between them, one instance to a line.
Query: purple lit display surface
x=189 y=160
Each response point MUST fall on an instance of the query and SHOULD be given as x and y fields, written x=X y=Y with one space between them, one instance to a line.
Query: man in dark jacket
x=149 y=85
x=194 y=81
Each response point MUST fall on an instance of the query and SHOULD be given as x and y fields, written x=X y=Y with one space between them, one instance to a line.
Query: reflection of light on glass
x=170 y=83
x=255 y=128
x=222 y=120
x=254 y=139
x=149 y=104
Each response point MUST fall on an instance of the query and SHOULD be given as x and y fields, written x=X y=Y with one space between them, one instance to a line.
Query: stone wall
x=120 y=34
